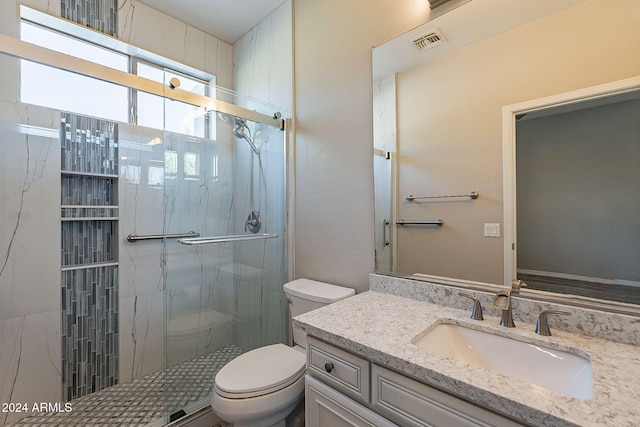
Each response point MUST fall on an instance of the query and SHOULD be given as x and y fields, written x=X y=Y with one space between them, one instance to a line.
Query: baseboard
x=575 y=277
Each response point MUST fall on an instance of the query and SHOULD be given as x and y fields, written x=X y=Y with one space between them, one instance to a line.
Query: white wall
x=334 y=224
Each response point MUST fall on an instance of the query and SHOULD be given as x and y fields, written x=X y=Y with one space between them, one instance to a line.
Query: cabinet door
x=414 y=404
x=325 y=407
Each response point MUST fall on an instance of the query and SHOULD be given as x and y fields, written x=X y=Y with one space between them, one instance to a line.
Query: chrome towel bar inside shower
x=134 y=237
x=473 y=195
x=224 y=239
x=438 y=222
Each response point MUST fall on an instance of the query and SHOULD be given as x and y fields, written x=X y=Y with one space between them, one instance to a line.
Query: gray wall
x=577 y=192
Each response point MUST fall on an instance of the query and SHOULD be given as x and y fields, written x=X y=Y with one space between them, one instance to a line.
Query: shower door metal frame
x=389 y=231
x=23 y=50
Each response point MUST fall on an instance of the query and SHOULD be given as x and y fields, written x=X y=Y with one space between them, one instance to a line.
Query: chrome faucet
x=542 y=325
x=476 y=312
x=502 y=300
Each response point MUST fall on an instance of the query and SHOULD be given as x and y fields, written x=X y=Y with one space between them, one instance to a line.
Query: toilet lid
x=312 y=290
x=260 y=371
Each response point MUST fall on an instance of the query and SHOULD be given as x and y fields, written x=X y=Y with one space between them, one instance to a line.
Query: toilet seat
x=261 y=371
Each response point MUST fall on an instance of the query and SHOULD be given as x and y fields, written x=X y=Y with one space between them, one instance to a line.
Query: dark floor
x=144 y=400
x=619 y=293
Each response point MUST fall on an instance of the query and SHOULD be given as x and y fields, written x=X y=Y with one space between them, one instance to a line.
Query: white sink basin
x=556 y=370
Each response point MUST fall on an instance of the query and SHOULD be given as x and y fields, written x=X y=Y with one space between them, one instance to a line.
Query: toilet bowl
x=262 y=387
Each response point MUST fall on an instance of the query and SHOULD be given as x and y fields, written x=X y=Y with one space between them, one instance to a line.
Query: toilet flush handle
x=328 y=367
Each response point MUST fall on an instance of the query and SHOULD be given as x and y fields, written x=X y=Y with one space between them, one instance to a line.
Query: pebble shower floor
x=142 y=401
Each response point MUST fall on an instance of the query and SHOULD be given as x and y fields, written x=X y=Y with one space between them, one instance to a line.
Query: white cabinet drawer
x=411 y=403
x=343 y=371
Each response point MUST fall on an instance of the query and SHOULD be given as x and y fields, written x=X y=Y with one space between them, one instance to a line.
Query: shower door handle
x=385 y=225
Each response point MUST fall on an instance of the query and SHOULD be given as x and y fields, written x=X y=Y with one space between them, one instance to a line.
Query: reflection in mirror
x=438 y=115
x=578 y=220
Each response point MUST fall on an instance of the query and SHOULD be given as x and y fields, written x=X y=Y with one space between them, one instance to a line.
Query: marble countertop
x=380 y=327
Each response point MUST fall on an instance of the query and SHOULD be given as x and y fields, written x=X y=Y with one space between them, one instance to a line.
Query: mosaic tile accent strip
x=90 y=359
x=88 y=190
x=101 y=15
x=143 y=400
x=89 y=255
x=88 y=145
x=85 y=242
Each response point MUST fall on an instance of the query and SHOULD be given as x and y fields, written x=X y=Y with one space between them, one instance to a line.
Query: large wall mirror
x=562 y=211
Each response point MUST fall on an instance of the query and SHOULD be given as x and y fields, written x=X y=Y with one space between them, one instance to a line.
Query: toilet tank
x=305 y=295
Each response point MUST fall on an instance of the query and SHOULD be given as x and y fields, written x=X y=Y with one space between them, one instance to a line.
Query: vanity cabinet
x=327 y=407
x=343 y=389
x=344 y=371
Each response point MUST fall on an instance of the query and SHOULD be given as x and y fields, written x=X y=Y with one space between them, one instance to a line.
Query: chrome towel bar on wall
x=225 y=239
x=134 y=237
x=438 y=222
x=473 y=195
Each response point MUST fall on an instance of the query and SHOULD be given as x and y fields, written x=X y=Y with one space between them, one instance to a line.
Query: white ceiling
x=227 y=20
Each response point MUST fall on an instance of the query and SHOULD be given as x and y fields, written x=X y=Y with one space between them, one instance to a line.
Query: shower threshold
x=145 y=400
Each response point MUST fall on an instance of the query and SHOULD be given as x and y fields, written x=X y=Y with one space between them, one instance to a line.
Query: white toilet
x=262 y=387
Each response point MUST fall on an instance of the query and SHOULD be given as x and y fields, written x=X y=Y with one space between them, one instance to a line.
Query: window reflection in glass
x=171 y=163
x=156 y=176
x=130 y=174
x=191 y=165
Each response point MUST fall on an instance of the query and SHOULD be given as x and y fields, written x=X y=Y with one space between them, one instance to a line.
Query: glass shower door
x=383 y=168
x=384 y=172
x=223 y=288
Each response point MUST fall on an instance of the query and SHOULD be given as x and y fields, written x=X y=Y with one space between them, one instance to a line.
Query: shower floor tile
x=143 y=400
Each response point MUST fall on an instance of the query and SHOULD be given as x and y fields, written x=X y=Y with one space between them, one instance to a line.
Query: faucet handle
x=476 y=312
x=542 y=325
x=516 y=285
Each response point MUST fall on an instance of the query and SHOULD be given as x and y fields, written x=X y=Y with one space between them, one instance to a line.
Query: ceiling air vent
x=428 y=40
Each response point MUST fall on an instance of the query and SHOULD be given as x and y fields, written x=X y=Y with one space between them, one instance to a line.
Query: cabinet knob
x=328 y=367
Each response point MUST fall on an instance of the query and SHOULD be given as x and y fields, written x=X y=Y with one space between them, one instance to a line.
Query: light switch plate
x=491 y=230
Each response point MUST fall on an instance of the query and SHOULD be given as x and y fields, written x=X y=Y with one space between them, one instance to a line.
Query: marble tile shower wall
x=89 y=280
x=141 y=280
x=262 y=71
x=30 y=315
x=199 y=296
x=260 y=268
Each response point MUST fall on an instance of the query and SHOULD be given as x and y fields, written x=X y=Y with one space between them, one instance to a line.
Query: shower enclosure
x=223 y=288
x=135 y=261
